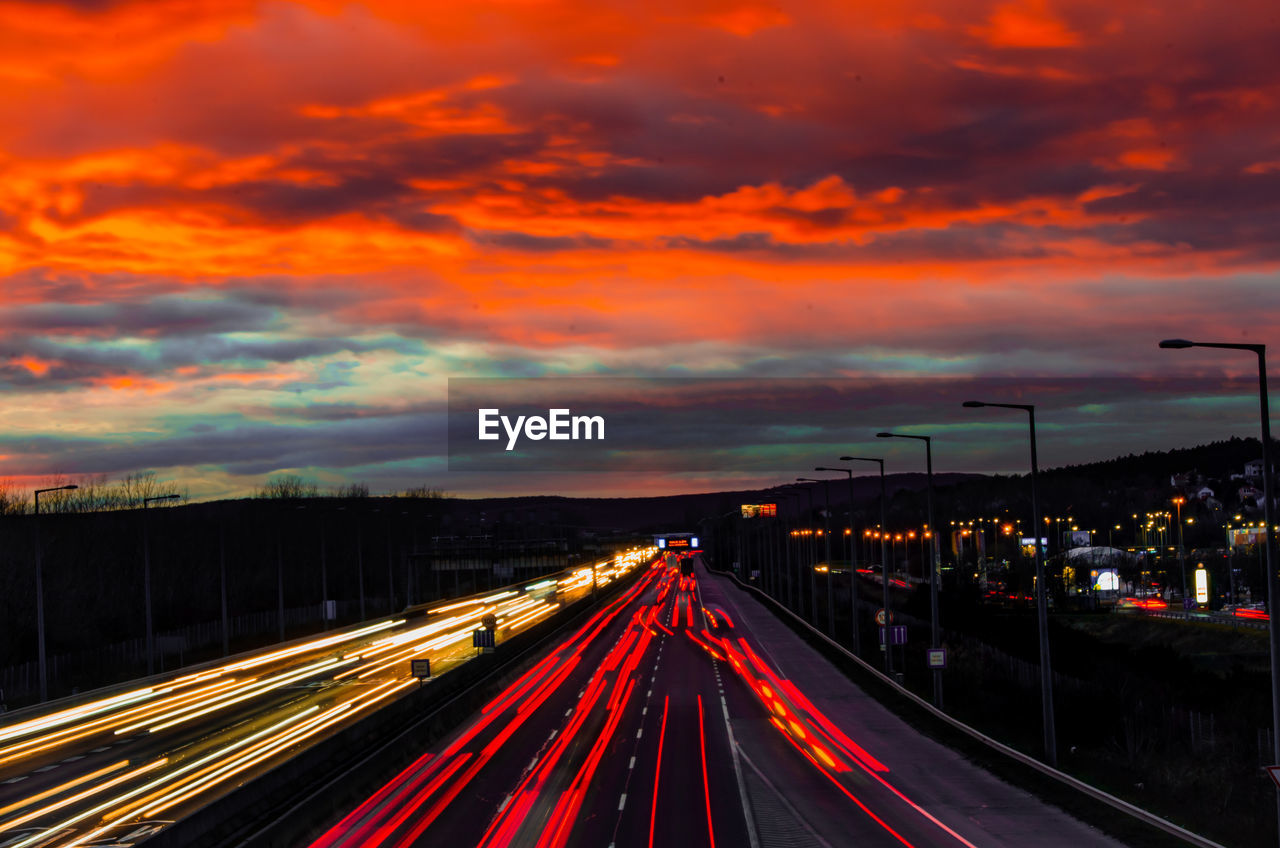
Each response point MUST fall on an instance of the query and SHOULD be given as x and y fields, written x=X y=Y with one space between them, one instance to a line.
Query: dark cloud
x=171 y=315
x=240 y=447
x=538 y=244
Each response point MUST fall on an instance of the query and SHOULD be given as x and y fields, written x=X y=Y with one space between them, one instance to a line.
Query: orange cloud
x=1028 y=24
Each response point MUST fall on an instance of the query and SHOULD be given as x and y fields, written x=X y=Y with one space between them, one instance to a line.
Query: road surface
x=684 y=714
x=114 y=767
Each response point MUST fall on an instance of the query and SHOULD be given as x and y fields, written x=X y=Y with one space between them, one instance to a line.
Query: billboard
x=1075 y=539
x=1241 y=536
x=759 y=510
x=1202 y=586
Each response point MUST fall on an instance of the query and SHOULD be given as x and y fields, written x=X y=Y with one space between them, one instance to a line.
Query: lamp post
x=1273 y=585
x=146 y=579
x=935 y=630
x=884 y=560
x=826 y=539
x=1182 y=556
x=853 y=565
x=789 y=534
x=222 y=580
x=813 y=581
x=1042 y=589
x=44 y=672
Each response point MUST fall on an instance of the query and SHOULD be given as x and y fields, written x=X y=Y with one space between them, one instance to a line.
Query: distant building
x=1253 y=468
x=1181 y=481
x=1204 y=493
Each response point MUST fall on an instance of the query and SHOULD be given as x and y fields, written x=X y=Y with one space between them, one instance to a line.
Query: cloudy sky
x=241 y=238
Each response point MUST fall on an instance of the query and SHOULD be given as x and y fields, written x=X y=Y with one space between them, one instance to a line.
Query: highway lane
x=113 y=767
x=668 y=720
x=914 y=790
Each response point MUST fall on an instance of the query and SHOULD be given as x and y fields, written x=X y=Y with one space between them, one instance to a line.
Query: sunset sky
x=241 y=238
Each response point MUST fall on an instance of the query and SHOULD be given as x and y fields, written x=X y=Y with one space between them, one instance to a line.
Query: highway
x=116 y=766
x=666 y=721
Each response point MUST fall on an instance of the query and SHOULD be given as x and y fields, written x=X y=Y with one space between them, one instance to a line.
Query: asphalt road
x=685 y=715
x=115 y=766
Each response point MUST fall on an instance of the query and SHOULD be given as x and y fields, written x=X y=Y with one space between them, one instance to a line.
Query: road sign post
x=420 y=668
x=897 y=634
x=482 y=639
x=936 y=657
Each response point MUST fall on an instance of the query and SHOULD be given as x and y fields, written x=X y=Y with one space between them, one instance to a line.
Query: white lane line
x=632 y=764
x=16 y=779
x=47 y=768
x=747 y=813
x=639 y=732
x=622 y=801
x=100 y=750
x=644 y=711
x=73 y=759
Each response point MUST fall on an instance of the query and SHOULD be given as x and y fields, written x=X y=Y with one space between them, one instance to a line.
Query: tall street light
x=1042 y=589
x=44 y=672
x=853 y=565
x=813 y=581
x=1182 y=556
x=935 y=630
x=1273 y=589
x=826 y=539
x=884 y=561
x=792 y=587
x=146 y=579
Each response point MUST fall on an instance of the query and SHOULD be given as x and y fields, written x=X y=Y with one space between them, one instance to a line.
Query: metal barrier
x=1120 y=804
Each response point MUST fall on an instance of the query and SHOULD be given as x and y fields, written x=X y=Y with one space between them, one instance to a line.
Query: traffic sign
x=420 y=668
x=482 y=638
x=881 y=615
x=1274 y=771
x=936 y=657
x=897 y=634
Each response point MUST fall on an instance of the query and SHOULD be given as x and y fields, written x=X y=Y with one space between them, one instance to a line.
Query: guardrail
x=1204 y=618
x=1066 y=780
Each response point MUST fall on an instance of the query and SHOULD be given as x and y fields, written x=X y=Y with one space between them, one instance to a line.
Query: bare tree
x=287 y=487
x=423 y=492
x=352 y=490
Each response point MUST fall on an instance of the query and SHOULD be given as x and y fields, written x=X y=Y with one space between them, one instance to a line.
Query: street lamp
x=1042 y=589
x=44 y=674
x=826 y=544
x=146 y=579
x=884 y=561
x=1273 y=585
x=1182 y=557
x=793 y=585
x=853 y=565
x=935 y=630
x=813 y=581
